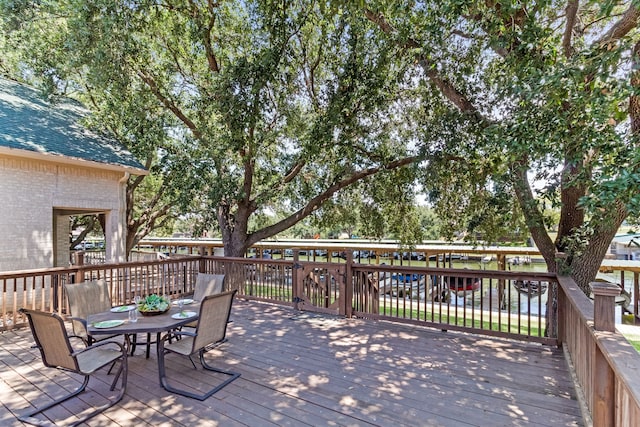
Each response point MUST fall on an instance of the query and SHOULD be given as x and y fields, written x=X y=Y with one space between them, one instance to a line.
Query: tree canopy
x=262 y=114
x=261 y=107
x=536 y=101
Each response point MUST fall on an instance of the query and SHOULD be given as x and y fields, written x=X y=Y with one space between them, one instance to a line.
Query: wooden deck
x=307 y=369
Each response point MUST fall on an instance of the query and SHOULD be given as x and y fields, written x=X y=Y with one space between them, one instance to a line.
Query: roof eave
x=57 y=158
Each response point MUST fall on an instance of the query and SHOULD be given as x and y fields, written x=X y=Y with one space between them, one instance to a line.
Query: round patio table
x=145 y=324
x=156 y=324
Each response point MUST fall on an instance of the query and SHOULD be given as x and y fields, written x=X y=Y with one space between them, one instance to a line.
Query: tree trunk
x=236 y=246
x=584 y=267
x=234 y=228
x=533 y=215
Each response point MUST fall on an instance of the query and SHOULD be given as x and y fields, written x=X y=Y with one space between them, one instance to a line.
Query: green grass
x=468 y=322
x=284 y=293
x=633 y=338
x=635 y=343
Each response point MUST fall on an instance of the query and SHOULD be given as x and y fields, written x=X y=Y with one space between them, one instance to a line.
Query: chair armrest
x=84 y=341
x=78 y=319
x=173 y=334
x=100 y=344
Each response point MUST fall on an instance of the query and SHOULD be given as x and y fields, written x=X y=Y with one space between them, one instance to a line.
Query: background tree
x=85 y=225
x=516 y=94
x=33 y=42
x=149 y=209
x=266 y=106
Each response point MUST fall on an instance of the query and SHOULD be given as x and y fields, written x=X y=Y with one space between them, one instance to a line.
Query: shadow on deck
x=302 y=368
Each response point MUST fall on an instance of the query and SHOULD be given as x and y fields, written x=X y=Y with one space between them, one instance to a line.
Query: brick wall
x=30 y=190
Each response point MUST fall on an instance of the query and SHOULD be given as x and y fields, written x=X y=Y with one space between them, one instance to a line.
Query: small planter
x=154 y=305
x=153 y=312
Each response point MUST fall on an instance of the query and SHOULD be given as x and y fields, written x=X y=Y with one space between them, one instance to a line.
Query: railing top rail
x=463 y=272
x=620 y=264
x=243 y=260
x=578 y=298
x=89 y=267
x=431 y=248
x=36 y=272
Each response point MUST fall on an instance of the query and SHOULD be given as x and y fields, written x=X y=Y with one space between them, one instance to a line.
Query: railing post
x=56 y=289
x=347 y=307
x=80 y=263
x=604 y=305
x=294 y=278
x=561 y=313
x=202 y=264
x=604 y=295
x=636 y=293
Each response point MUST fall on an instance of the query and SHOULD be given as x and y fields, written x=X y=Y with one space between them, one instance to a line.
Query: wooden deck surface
x=307 y=369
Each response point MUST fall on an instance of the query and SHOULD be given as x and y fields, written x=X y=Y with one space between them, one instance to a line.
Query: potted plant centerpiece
x=153 y=304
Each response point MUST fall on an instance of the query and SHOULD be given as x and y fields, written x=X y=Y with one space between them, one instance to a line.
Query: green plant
x=154 y=302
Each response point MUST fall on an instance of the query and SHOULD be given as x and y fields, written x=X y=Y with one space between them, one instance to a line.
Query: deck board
x=307 y=369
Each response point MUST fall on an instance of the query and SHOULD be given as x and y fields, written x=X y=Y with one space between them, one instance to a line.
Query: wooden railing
x=428 y=296
x=44 y=289
x=430 y=254
x=481 y=301
x=606 y=366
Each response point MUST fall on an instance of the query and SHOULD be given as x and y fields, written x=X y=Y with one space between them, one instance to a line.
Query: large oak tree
x=536 y=101
x=292 y=108
x=264 y=106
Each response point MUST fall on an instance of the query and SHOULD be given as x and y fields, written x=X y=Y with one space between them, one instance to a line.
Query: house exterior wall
x=31 y=189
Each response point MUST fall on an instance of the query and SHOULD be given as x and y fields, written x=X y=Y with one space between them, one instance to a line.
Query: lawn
x=468 y=321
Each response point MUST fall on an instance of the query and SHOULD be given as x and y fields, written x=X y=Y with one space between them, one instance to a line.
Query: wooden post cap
x=604 y=295
x=605 y=289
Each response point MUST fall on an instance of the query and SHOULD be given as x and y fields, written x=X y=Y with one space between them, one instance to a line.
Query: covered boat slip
x=301 y=368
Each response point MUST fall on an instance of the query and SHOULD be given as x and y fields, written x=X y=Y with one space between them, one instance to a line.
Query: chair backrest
x=87 y=298
x=51 y=339
x=208 y=284
x=213 y=319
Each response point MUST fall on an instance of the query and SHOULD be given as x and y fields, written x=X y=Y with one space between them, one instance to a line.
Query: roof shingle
x=27 y=122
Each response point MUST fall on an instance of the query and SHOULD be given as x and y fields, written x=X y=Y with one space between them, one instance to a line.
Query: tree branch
x=87 y=229
x=249 y=170
x=317 y=201
x=168 y=103
x=625 y=24
x=445 y=86
x=289 y=176
x=634 y=99
x=571 y=13
x=309 y=75
x=149 y=226
x=294 y=171
x=135 y=182
x=211 y=57
x=532 y=213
